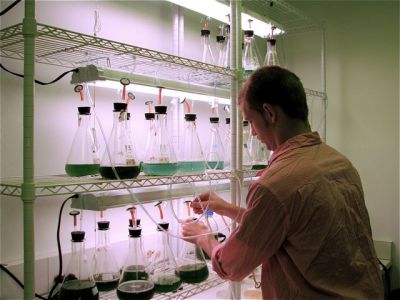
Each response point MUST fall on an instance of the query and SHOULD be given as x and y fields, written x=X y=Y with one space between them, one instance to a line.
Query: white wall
x=362 y=42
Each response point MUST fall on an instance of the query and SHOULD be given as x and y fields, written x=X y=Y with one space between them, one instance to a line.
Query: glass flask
x=160 y=156
x=259 y=153
x=216 y=155
x=271 y=58
x=163 y=270
x=250 y=56
x=83 y=157
x=221 y=44
x=125 y=168
x=131 y=156
x=227 y=57
x=134 y=283
x=207 y=55
x=106 y=271
x=191 y=158
x=247 y=160
x=227 y=144
x=78 y=282
x=192 y=266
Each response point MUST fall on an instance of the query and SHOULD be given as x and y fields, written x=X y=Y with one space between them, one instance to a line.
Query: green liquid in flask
x=193 y=273
x=77 y=170
x=215 y=165
x=79 y=290
x=165 y=283
x=191 y=167
x=106 y=282
x=134 y=272
x=163 y=169
x=135 y=290
x=258 y=167
x=125 y=172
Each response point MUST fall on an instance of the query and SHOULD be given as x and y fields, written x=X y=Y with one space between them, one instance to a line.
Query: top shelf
x=56 y=46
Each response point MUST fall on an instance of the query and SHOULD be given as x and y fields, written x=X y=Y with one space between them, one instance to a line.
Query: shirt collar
x=298 y=141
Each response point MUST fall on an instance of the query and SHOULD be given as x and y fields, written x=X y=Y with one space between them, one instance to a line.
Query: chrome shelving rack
x=39 y=43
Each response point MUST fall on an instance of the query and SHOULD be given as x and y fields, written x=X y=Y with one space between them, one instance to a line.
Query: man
x=306 y=222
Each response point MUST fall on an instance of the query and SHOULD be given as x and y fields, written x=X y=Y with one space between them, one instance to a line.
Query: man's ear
x=270 y=112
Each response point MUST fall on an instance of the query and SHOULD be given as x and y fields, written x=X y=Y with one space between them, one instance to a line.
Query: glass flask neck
x=84 y=120
x=119 y=118
x=103 y=238
x=78 y=248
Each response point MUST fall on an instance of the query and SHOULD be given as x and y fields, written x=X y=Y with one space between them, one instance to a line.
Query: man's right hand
x=209 y=201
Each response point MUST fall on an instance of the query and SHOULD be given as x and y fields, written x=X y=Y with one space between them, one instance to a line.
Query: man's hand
x=209 y=201
x=191 y=229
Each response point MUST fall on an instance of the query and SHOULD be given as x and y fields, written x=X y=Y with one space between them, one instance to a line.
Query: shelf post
x=28 y=186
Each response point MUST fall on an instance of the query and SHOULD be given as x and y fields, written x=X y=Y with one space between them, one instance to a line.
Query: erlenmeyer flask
x=271 y=58
x=259 y=153
x=131 y=156
x=216 y=155
x=160 y=158
x=227 y=144
x=227 y=57
x=221 y=44
x=106 y=271
x=83 y=158
x=207 y=55
x=163 y=270
x=134 y=283
x=191 y=158
x=78 y=282
x=151 y=132
x=192 y=266
x=250 y=56
x=117 y=156
x=247 y=160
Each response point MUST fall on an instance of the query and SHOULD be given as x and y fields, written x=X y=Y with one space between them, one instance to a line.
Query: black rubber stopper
x=119 y=106
x=245 y=123
x=136 y=220
x=228 y=121
x=128 y=116
x=214 y=120
x=84 y=110
x=272 y=42
x=78 y=236
x=135 y=232
x=160 y=109
x=149 y=116
x=190 y=117
x=248 y=33
x=220 y=38
x=205 y=32
x=103 y=225
x=163 y=226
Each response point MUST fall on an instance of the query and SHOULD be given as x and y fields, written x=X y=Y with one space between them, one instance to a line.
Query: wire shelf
x=56 y=46
x=185 y=291
x=64 y=185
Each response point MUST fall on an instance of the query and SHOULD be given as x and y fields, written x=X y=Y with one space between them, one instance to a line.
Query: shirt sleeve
x=261 y=233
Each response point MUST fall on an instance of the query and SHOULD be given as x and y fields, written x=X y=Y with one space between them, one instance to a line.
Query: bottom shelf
x=185 y=291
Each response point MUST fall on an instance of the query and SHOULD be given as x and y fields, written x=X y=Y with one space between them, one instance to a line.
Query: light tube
x=219 y=11
x=137 y=88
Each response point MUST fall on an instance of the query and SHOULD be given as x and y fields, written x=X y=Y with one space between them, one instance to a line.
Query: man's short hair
x=277 y=86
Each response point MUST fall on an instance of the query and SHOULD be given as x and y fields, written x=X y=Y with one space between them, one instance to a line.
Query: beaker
x=271 y=58
x=247 y=160
x=160 y=156
x=116 y=155
x=216 y=154
x=163 y=270
x=250 y=56
x=83 y=157
x=191 y=158
x=192 y=266
x=259 y=153
x=106 y=272
x=78 y=282
x=134 y=283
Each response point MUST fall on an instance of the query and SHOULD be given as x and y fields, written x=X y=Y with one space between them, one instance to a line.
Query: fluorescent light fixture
x=109 y=78
x=136 y=88
x=219 y=11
